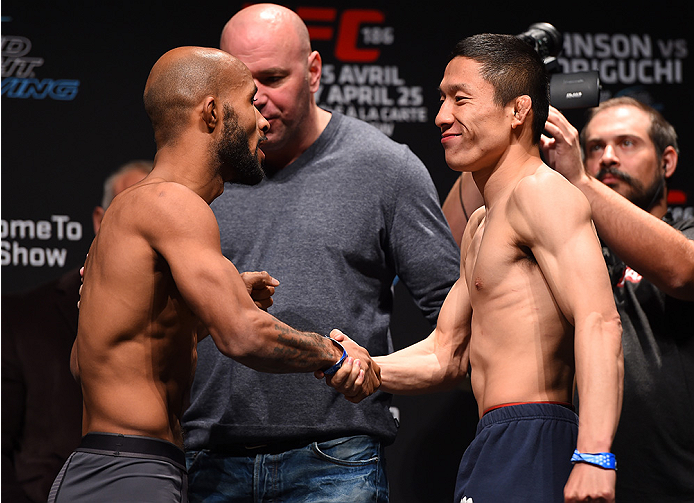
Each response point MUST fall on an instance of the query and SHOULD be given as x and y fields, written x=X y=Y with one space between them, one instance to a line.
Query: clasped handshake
x=358 y=377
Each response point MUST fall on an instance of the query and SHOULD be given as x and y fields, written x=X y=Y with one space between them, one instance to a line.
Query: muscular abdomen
x=521 y=347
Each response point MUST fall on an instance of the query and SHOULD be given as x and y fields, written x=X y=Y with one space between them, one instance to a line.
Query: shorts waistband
x=115 y=444
x=530 y=410
x=563 y=404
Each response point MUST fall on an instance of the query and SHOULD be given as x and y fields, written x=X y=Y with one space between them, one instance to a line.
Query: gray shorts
x=109 y=467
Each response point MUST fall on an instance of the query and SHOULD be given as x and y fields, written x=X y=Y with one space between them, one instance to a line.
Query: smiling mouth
x=448 y=136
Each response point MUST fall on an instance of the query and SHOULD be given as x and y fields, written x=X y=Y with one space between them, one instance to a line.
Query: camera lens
x=545 y=38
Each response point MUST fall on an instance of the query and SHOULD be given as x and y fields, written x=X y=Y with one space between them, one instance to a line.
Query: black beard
x=233 y=152
x=642 y=196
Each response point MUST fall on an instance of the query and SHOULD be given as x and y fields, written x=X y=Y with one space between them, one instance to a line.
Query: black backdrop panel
x=73 y=78
x=72 y=81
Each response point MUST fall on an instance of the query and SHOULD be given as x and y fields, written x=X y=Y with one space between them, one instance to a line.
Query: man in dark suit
x=41 y=401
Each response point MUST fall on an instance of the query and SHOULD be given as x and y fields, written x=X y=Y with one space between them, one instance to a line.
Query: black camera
x=566 y=90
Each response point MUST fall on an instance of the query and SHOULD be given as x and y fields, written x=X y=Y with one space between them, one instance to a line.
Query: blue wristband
x=604 y=460
x=339 y=363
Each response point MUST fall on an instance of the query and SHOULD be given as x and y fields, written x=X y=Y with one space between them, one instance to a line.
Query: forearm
x=599 y=377
x=269 y=345
x=243 y=331
x=645 y=243
x=422 y=368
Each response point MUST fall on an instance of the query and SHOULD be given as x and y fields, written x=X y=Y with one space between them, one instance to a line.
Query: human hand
x=359 y=375
x=590 y=483
x=261 y=287
x=562 y=147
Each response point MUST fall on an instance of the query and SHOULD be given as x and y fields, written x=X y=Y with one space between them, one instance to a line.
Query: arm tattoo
x=295 y=344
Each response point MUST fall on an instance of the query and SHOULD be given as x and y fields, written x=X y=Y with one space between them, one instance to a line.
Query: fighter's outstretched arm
x=187 y=236
x=441 y=360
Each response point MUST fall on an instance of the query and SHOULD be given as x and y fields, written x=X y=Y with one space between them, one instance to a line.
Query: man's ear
x=211 y=114
x=315 y=68
x=522 y=106
x=97 y=217
x=669 y=160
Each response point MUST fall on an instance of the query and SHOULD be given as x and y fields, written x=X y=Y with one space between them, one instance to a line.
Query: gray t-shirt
x=335 y=227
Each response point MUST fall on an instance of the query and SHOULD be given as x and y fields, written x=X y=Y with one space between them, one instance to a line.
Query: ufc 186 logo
x=351 y=29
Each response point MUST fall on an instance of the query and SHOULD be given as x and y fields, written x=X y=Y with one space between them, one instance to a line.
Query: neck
x=495 y=180
x=180 y=165
x=311 y=128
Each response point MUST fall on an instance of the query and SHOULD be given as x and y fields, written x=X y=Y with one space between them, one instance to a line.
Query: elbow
x=455 y=371
x=614 y=324
x=605 y=330
x=453 y=379
x=454 y=360
x=676 y=278
x=615 y=328
x=243 y=338
x=680 y=285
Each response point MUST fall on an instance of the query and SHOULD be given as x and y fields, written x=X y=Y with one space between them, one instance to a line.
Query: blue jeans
x=349 y=469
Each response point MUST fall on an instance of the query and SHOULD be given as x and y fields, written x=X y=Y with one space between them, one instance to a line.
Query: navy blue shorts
x=111 y=467
x=520 y=453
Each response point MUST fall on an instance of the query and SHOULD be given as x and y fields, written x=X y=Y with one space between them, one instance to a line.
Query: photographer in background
x=630 y=151
x=41 y=401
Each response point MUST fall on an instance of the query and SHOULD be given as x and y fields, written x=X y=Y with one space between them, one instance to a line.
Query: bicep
x=576 y=272
x=453 y=325
x=208 y=281
x=440 y=360
x=450 y=339
x=188 y=240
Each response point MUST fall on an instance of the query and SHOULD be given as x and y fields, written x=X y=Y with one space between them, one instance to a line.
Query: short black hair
x=513 y=68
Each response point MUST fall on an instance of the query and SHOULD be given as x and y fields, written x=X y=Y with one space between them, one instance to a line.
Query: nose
x=609 y=156
x=261 y=121
x=443 y=117
x=260 y=95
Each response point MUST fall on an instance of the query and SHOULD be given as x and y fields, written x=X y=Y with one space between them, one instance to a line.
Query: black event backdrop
x=72 y=81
